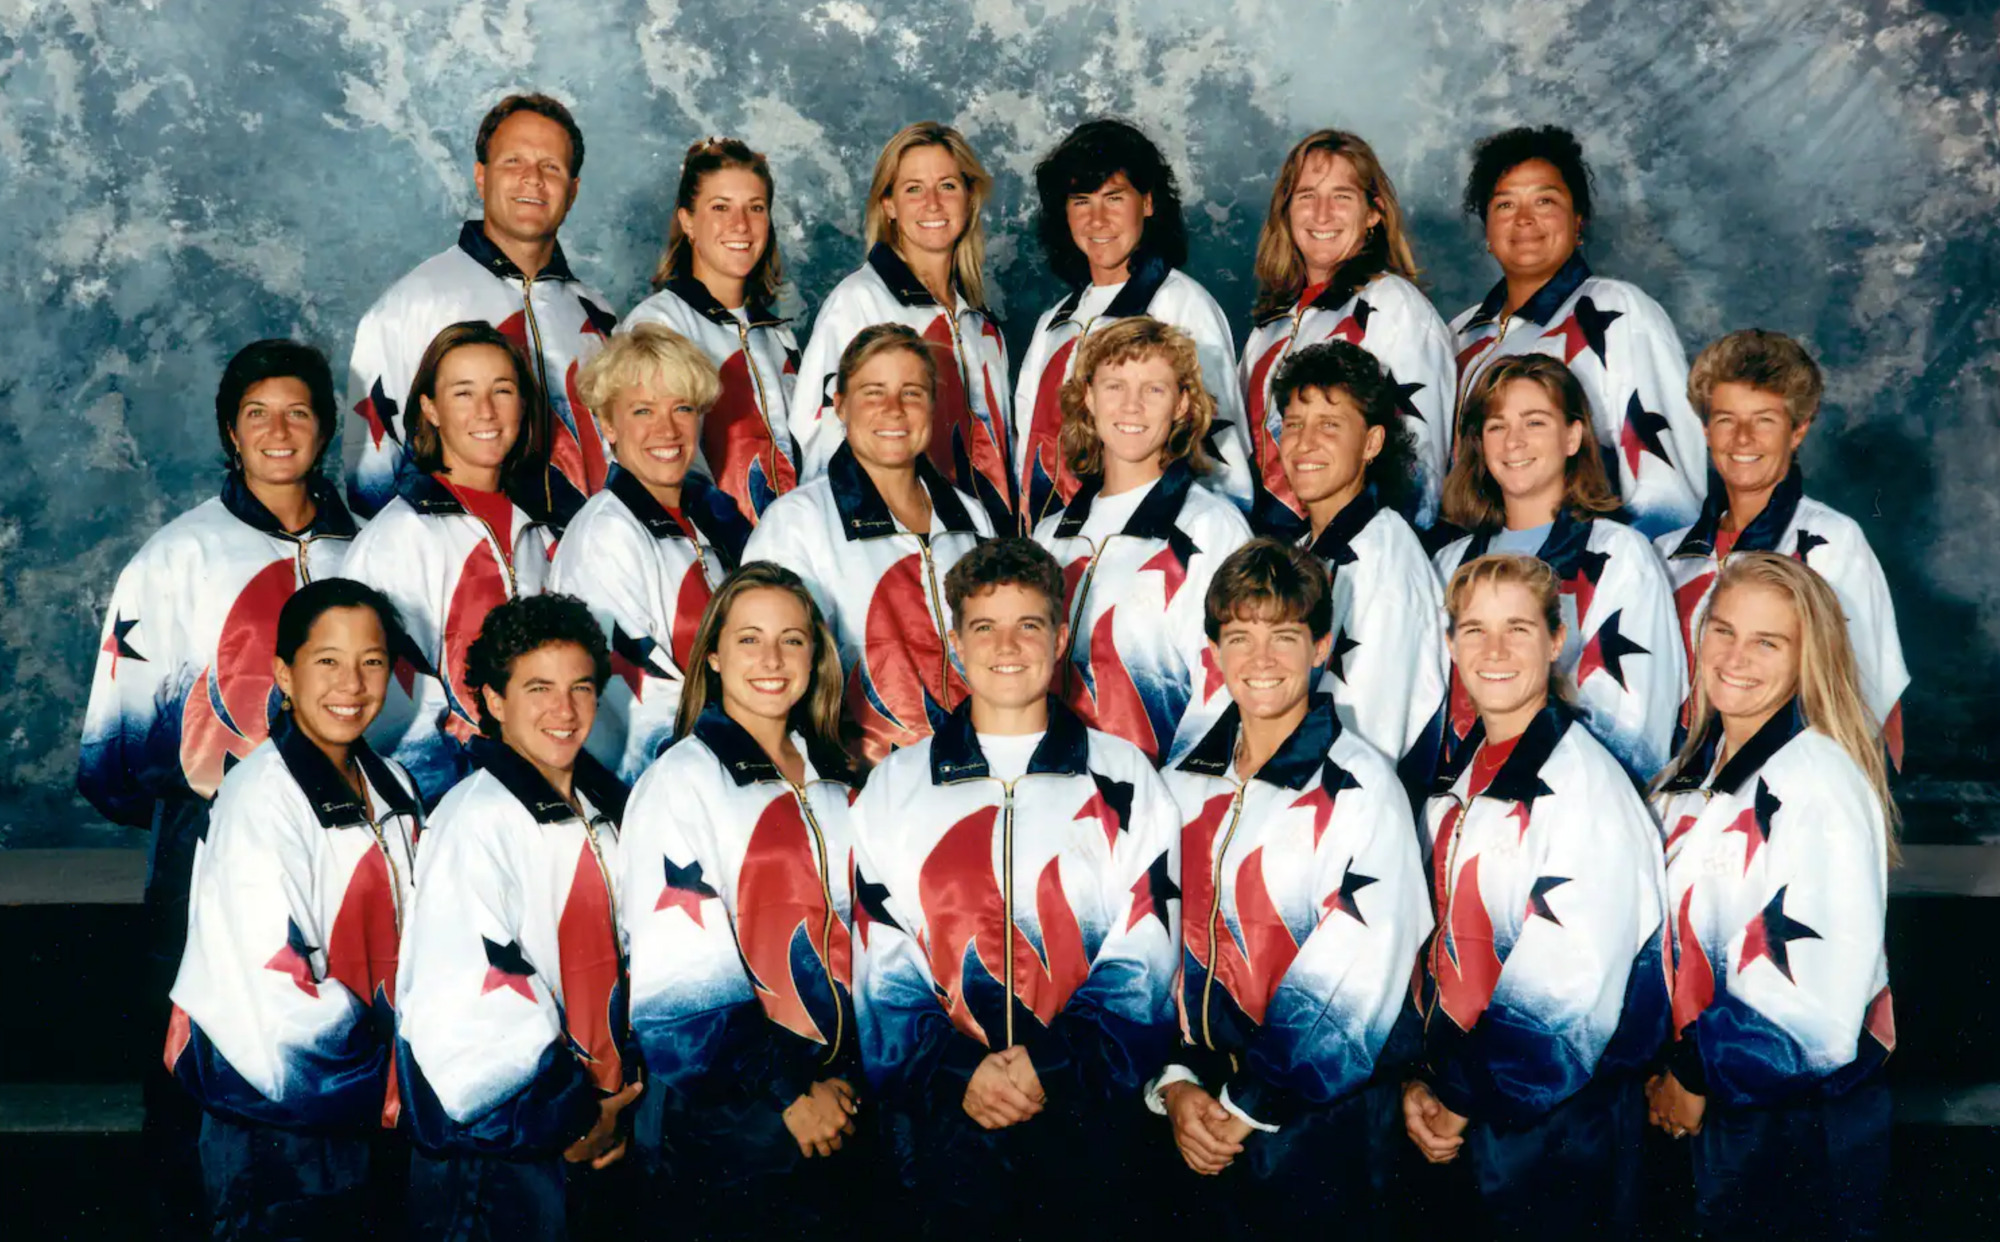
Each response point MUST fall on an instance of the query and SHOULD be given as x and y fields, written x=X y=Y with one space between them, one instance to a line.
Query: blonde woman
x=647 y=551
x=736 y=856
x=1780 y=833
x=926 y=271
x=1334 y=263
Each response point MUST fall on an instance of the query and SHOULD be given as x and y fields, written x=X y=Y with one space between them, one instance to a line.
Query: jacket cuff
x=1235 y=1109
x=1263 y=1106
x=1686 y=1064
x=1156 y=1090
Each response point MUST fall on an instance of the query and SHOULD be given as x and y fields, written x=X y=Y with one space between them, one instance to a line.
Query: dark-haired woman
x=1110 y=224
x=1347 y=459
x=183 y=686
x=1780 y=833
x=285 y=998
x=717 y=285
x=473 y=528
x=925 y=270
x=1334 y=263
x=1531 y=188
x=1527 y=479
x=737 y=854
x=512 y=1043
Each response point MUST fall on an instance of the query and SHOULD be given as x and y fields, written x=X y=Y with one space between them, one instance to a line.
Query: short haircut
x=531 y=443
x=1498 y=154
x=1010 y=561
x=1131 y=340
x=1766 y=361
x=1265 y=580
x=1472 y=497
x=317 y=598
x=880 y=338
x=1337 y=366
x=276 y=359
x=713 y=155
x=541 y=105
x=1091 y=155
x=648 y=353
x=1501 y=569
x=527 y=624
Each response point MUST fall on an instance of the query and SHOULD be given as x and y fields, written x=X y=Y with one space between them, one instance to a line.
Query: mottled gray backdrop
x=177 y=179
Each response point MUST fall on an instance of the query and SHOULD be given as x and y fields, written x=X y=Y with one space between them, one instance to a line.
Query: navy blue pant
x=483 y=1199
x=1808 y=1171
x=1572 y=1173
x=173 y=1121
x=269 y=1184
x=1328 y=1171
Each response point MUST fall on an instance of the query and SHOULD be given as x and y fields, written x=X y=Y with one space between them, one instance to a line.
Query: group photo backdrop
x=179 y=179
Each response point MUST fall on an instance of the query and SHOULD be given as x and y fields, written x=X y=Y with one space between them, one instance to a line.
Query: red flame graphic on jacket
x=953 y=421
x=966 y=910
x=240 y=679
x=902 y=659
x=588 y=943
x=1043 y=429
x=736 y=441
x=690 y=601
x=1694 y=978
x=1465 y=964
x=1107 y=698
x=362 y=948
x=1263 y=442
x=481 y=587
x=1252 y=970
x=780 y=891
x=577 y=452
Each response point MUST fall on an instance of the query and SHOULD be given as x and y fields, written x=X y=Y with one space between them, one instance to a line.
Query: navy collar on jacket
x=745 y=760
x=533 y=791
x=1335 y=544
x=903 y=283
x=473 y=240
x=1765 y=529
x=685 y=287
x=1519 y=778
x=1142 y=282
x=1351 y=278
x=1547 y=300
x=330 y=517
x=1787 y=723
x=1156 y=516
x=1299 y=760
x=333 y=802
x=1567 y=540
x=712 y=510
x=955 y=755
x=863 y=512
x=552 y=505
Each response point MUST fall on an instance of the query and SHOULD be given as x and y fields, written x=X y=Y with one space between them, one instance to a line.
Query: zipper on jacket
x=604 y=874
x=935 y=599
x=1007 y=897
x=763 y=402
x=506 y=562
x=1215 y=914
x=826 y=929
x=1082 y=604
x=534 y=333
x=1465 y=381
x=1448 y=897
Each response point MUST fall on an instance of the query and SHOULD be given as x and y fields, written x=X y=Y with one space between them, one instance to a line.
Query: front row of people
x=970 y=977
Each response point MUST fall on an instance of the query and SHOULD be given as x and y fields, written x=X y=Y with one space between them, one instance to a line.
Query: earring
x=285 y=703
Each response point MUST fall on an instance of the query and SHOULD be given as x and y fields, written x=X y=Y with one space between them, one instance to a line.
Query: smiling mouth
x=1008 y=670
x=532 y=202
x=1496 y=676
x=1746 y=459
x=892 y=435
x=342 y=712
x=1522 y=464
x=1263 y=683
x=1131 y=429
x=1736 y=683
x=769 y=685
x=1307 y=467
x=491 y=433
x=666 y=453
x=1316 y=235
x=932 y=224
x=736 y=245
x=560 y=735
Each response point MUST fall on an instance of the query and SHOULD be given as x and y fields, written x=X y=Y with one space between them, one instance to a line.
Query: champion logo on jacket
x=183 y=688
x=1777 y=887
x=969 y=419
x=1546 y=967
x=1303 y=907
x=1627 y=355
x=747 y=446
x=284 y=1004
x=1043 y=480
x=1622 y=650
x=1387 y=316
x=647 y=574
x=1038 y=912
x=881 y=588
x=1138 y=664
x=512 y=995
x=1829 y=542
x=555 y=320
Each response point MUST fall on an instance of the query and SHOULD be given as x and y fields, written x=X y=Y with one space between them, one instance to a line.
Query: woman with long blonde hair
x=1334 y=263
x=925 y=270
x=1528 y=479
x=736 y=854
x=1780 y=833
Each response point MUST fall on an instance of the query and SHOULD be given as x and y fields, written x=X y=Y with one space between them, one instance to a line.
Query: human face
x=887 y=410
x=1008 y=639
x=337 y=679
x=549 y=706
x=729 y=228
x=1134 y=405
x=929 y=200
x=477 y=412
x=1268 y=665
x=1325 y=445
x=654 y=433
x=1329 y=214
x=1106 y=225
x=763 y=655
x=1531 y=221
x=525 y=181
x=1503 y=650
x=1751 y=439
x=276 y=433
x=1528 y=444
x=1749 y=655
